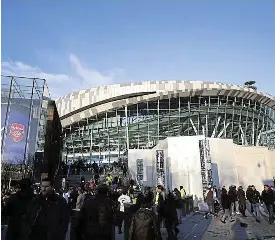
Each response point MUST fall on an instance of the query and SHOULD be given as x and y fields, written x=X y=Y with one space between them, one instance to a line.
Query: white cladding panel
x=185 y=164
x=231 y=164
x=223 y=162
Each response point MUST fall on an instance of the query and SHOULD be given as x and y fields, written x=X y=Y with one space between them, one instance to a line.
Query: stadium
x=104 y=123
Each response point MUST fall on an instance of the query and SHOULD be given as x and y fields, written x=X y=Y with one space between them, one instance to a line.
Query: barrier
x=187 y=205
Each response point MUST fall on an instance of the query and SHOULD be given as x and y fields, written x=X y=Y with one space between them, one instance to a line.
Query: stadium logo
x=17 y=131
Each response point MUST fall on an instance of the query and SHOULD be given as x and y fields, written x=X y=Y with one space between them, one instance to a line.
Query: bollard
x=127 y=219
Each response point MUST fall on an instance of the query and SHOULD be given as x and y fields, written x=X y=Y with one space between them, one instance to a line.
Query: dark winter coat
x=268 y=197
x=96 y=219
x=249 y=194
x=232 y=194
x=255 y=197
x=47 y=218
x=178 y=200
x=170 y=210
x=161 y=203
x=241 y=197
x=143 y=225
x=16 y=210
x=225 y=201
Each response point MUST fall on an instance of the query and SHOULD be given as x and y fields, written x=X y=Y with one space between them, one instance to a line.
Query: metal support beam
x=216 y=126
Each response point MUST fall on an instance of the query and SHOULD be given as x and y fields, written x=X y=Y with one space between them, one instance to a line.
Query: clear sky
x=81 y=44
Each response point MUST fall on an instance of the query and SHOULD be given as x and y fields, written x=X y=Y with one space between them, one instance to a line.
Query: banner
x=160 y=173
x=17 y=130
x=205 y=160
x=140 y=171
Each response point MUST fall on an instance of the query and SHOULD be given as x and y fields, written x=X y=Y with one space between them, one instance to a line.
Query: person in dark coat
x=249 y=196
x=96 y=217
x=226 y=204
x=48 y=215
x=143 y=225
x=178 y=204
x=268 y=197
x=170 y=216
x=255 y=200
x=160 y=204
x=232 y=194
x=241 y=200
x=16 y=209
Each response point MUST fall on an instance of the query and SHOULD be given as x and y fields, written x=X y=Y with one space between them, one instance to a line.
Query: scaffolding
x=22 y=116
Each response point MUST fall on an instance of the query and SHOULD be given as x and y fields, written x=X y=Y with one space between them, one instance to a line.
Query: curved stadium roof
x=86 y=103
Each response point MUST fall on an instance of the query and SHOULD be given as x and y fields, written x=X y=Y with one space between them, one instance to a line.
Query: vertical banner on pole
x=140 y=171
x=160 y=173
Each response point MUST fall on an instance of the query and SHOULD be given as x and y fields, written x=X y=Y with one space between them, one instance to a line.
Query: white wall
x=223 y=160
x=255 y=165
x=231 y=164
x=185 y=170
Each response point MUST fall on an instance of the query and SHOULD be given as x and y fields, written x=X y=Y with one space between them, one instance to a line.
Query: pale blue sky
x=79 y=44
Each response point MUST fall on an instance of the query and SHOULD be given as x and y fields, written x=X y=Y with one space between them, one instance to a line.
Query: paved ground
x=192 y=227
x=233 y=230
x=195 y=226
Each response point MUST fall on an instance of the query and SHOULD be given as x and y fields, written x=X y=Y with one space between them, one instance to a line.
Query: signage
x=140 y=170
x=17 y=132
x=205 y=160
x=160 y=173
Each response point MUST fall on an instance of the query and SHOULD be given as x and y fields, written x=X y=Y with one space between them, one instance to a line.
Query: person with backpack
x=96 y=218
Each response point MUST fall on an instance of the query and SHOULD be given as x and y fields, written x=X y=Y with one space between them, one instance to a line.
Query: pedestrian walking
x=226 y=204
x=241 y=201
x=48 y=215
x=268 y=197
x=255 y=200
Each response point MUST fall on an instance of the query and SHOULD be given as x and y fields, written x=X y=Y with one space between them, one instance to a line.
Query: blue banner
x=17 y=130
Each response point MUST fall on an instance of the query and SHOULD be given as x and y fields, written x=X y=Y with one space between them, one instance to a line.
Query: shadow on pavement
x=239 y=230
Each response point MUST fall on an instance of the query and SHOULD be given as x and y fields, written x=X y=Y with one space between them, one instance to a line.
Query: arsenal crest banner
x=16 y=130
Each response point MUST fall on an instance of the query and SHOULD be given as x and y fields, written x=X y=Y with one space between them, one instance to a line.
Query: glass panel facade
x=21 y=102
x=141 y=126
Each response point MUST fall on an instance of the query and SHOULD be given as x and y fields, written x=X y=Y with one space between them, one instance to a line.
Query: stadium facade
x=104 y=122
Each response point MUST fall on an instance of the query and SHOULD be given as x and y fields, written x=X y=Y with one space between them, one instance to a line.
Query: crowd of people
x=234 y=201
x=100 y=205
